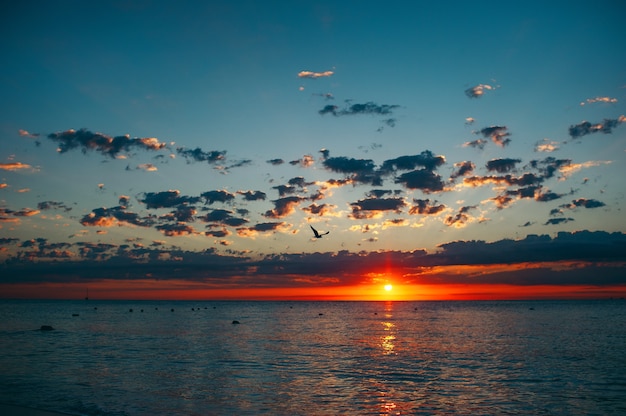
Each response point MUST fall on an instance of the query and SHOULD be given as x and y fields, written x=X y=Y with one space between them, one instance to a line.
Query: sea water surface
x=315 y=358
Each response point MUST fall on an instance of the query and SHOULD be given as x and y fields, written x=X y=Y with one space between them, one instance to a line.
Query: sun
x=388 y=287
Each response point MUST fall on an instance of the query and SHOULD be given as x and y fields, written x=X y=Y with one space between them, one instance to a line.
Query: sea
x=314 y=358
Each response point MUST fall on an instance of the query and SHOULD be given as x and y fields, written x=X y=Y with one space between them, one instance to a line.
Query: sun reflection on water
x=387 y=340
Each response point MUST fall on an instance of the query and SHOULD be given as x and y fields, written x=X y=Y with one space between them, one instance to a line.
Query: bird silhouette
x=317 y=234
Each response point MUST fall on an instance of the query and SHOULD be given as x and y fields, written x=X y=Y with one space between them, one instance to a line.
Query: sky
x=184 y=150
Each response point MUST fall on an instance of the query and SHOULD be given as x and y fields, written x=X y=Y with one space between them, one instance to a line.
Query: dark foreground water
x=315 y=358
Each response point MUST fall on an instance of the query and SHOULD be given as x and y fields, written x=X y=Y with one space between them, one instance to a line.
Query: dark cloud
x=426 y=207
x=379 y=193
x=275 y=162
x=225 y=217
x=217 y=196
x=557 y=221
x=358 y=170
x=549 y=165
x=370 y=207
x=199 y=155
x=425 y=159
x=184 y=213
x=498 y=134
x=108 y=146
x=285 y=190
x=45 y=205
x=166 y=199
x=253 y=195
x=502 y=165
x=354 y=109
x=462 y=169
x=264 y=227
x=546 y=196
x=423 y=179
x=584 y=257
x=606 y=126
x=320 y=210
x=461 y=218
x=584 y=203
x=176 y=230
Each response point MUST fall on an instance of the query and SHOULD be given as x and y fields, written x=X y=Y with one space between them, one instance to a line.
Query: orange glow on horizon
x=184 y=290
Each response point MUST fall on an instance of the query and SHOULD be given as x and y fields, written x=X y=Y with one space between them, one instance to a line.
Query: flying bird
x=317 y=234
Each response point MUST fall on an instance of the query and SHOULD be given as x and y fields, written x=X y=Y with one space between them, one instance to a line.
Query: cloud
x=108 y=146
x=167 y=199
x=373 y=207
x=478 y=144
x=321 y=210
x=356 y=109
x=423 y=179
x=253 y=195
x=463 y=169
x=199 y=155
x=425 y=159
x=608 y=100
x=275 y=162
x=25 y=133
x=358 y=170
x=557 y=221
x=584 y=203
x=461 y=218
x=579 y=258
x=176 y=230
x=284 y=207
x=108 y=217
x=498 y=134
x=12 y=166
x=606 y=126
x=148 y=167
x=217 y=196
x=502 y=165
x=264 y=227
x=305 y=162
x=426 y=207
x=546 y=145
x=478 y=91
x=314 y=75
x=26 y=212
x=46 y=205
x=225 y=217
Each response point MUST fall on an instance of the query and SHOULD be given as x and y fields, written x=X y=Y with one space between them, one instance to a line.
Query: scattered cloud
x=546 y=145
x=498 y=134
x=355 y=109
x=478 y=91
x=606 y=126
x=13 y=166
x=106 y=145
x=199 y=155
x=608 y=100
x=314 y=75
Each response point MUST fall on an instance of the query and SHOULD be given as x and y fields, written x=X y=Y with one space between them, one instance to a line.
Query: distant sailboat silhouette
x=317 y=234
x=87 y=294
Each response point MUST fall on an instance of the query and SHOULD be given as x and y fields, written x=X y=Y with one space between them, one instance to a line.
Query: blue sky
x=398 y=127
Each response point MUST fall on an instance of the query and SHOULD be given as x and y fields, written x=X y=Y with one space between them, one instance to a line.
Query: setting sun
x=388 y=287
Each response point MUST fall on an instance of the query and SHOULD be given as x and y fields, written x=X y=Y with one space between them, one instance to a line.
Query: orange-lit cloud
x=14 y=166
